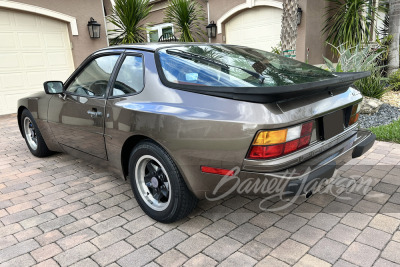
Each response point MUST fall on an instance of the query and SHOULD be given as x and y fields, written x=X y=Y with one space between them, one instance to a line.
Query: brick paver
x=63 y=211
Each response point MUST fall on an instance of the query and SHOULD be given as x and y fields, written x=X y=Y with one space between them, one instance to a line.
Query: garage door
x=33 y=49
x=258 y=27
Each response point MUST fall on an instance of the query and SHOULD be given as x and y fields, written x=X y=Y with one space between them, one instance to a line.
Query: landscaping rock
x=370 y=105
x=386 y=115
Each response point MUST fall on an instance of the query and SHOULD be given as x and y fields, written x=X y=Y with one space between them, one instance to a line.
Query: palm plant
x=127 y=16
x=187 y=17
x=348 y=22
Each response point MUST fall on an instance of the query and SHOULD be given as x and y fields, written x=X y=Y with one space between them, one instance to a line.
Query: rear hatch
x=245 y=74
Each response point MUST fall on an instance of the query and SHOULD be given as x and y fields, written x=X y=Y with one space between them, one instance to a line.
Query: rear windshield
x=234 y=66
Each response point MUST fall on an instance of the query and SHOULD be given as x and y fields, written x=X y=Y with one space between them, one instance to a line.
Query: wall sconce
x=211 y=29
x=299 y=14
x=94 y=28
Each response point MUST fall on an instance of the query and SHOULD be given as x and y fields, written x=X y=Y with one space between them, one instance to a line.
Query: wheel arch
x=20 y=110
x=126 y=150
x=128 y=146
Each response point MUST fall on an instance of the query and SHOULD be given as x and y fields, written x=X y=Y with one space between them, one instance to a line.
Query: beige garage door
x=33 y=49
x=258 y=27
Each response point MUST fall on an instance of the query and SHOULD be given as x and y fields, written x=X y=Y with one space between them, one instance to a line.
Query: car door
x=77 y=117
x=128 y=83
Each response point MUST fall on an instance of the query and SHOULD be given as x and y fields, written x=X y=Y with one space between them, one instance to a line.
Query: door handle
x=94 y=113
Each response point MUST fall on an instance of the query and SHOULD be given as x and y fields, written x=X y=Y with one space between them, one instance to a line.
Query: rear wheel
x=158 y=185
x=32 y=136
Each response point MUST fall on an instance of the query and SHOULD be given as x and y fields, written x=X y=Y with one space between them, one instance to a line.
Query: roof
x=154 y=46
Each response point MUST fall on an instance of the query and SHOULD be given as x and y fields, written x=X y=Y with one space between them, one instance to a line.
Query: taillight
x=277 y=143
x=355 y=112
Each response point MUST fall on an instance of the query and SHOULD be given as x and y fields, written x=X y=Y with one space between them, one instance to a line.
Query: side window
x=93 y=80
x=130 y=77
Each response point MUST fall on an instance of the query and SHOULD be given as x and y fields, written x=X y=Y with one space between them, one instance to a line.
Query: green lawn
x=390 y=132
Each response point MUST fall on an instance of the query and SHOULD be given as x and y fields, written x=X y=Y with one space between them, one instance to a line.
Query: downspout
x=105 y=22
x=208 y=16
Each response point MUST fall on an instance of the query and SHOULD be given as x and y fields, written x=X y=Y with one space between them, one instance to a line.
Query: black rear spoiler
x=340 y=82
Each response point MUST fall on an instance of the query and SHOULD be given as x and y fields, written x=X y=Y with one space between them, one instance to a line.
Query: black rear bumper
x=364 y=146
x=301 y=186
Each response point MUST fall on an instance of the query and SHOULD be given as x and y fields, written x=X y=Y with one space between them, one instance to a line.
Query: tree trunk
x=394 y=30
x=289 y=25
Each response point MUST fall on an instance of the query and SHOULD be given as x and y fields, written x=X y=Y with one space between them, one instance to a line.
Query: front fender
x=38 y=104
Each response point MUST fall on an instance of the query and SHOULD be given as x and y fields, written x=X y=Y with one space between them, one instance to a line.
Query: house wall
x=310 y=32
x=217 y=9
x=82 y=45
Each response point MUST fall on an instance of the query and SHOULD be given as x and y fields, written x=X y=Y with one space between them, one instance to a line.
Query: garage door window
x=93 y=80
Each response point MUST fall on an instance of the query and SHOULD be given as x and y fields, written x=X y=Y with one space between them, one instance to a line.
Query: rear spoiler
x=273 y=94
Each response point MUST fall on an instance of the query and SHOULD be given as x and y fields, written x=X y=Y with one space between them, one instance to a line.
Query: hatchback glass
x=234 y=66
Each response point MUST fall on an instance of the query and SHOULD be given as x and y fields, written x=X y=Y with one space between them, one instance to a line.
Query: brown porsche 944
x=178 y=119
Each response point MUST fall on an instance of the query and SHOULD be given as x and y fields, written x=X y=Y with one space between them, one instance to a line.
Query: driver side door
x=77 y=117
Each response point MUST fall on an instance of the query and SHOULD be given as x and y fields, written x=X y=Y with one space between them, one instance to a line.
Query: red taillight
x=307 y=128
x=291 y=140
x=217 y=171
x=266 y=152
x=304 y=141
x=291 y=146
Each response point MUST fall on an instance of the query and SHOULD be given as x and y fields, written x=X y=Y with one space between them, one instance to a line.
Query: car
x=185 y=121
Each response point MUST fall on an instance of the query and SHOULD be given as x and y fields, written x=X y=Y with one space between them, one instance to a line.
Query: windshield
x=234 y=66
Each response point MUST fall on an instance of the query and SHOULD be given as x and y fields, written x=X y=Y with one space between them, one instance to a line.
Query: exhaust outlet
x=308 y=194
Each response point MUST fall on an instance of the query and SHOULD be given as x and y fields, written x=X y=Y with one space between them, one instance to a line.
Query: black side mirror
x=53 y=87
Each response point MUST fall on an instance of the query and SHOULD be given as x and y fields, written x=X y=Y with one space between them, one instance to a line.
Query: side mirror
x=53 y=87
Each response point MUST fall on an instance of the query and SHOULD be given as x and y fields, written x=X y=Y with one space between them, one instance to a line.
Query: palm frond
x=187 y=17
x=348 y=22
x=127 y=16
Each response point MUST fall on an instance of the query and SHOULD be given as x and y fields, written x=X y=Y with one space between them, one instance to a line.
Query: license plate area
x=332 y=124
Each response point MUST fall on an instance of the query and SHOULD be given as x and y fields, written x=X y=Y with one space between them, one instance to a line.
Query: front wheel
x=32 y=136
x=158 y=185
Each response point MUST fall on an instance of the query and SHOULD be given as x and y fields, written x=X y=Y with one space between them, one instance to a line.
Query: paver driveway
x=65 y=211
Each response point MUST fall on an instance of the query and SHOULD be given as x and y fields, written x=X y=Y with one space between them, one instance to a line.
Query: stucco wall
x=82 y=10
x=310 y=32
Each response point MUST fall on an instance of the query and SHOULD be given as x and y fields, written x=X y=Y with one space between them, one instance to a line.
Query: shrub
x=277 y=49
x=394 y=81
x=373 y=86
x=355 y=59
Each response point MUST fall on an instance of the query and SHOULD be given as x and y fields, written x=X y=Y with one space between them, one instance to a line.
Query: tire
x=158 y=185
x=32 y=135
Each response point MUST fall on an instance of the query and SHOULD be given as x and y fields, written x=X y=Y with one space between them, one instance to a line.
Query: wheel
x=158 y=185
x=32 y=136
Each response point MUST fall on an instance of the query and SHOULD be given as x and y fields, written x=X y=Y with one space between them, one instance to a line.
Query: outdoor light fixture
x=94 y=28
x=299 y=14
x=211 y=29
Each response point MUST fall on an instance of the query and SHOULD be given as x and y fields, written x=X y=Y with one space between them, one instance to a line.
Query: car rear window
x=234 y=66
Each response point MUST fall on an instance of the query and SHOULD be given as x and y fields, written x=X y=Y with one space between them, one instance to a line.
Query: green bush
x=277 y=49
x=355 y=59
x=373 y=86
x=394 y=81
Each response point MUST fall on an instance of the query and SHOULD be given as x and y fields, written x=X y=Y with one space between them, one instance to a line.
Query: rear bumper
x=294 y=180
x=300 y=185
